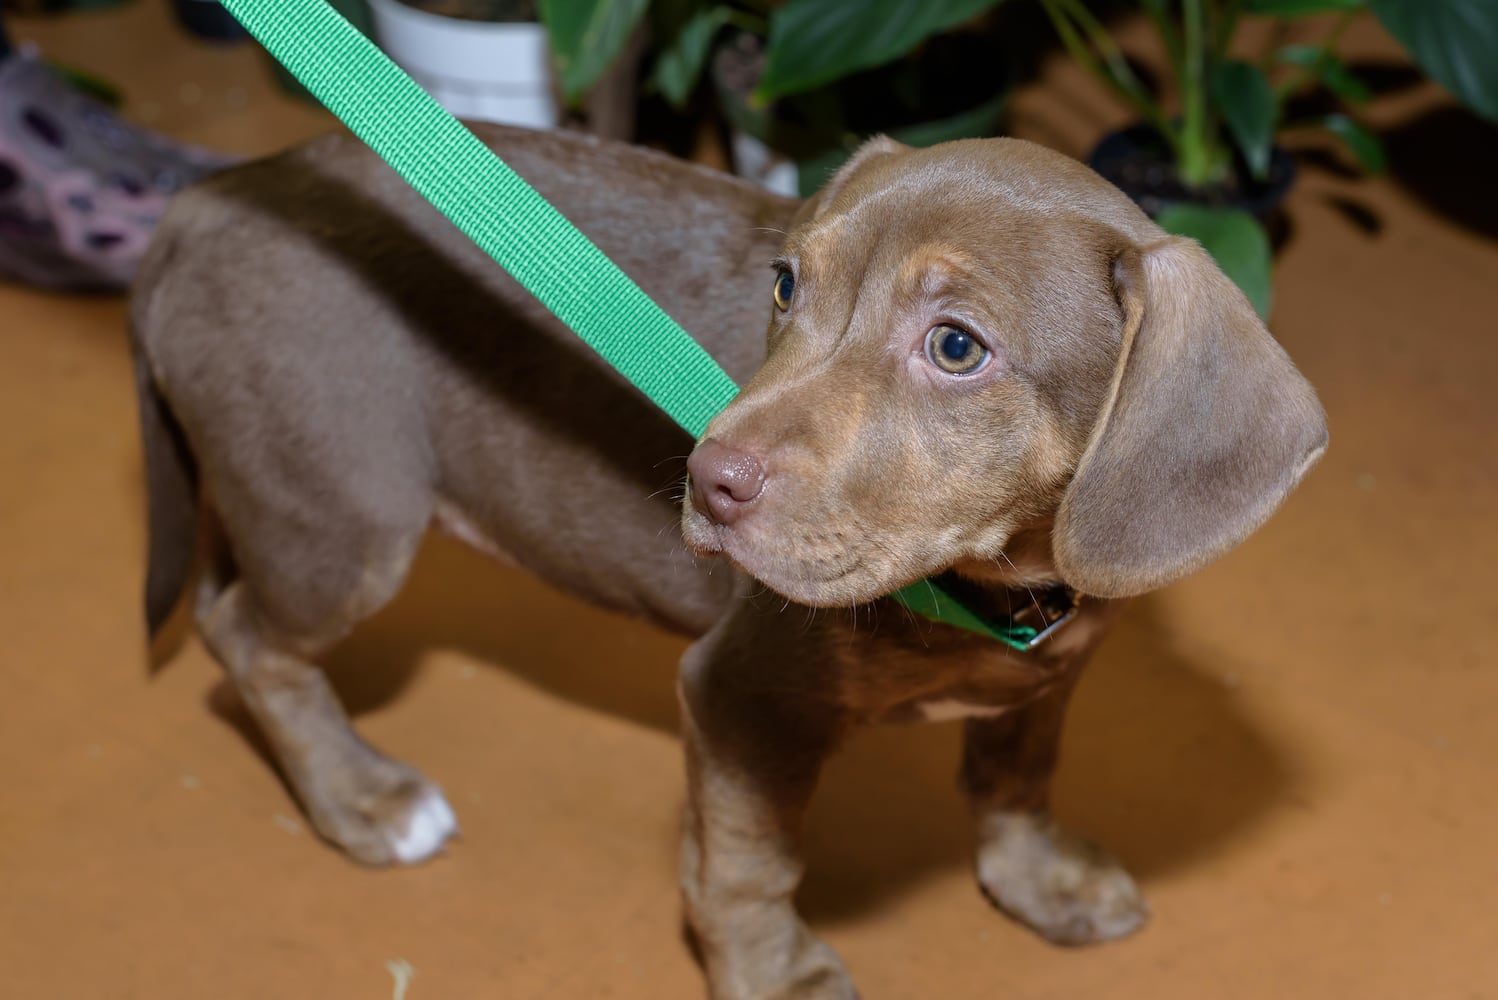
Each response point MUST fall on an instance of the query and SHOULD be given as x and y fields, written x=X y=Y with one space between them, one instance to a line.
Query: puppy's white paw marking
x=428 y=824
x=381 y=812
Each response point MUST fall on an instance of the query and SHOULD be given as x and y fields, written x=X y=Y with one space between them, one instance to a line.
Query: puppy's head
x=981 y=339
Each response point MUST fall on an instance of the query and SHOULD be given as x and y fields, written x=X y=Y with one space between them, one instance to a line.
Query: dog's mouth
x=834 y=577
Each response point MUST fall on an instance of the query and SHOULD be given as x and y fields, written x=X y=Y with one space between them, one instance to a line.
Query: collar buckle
x=1045 y=614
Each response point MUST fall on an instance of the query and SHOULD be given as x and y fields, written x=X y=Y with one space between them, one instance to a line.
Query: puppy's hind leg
x=1064 y=887
x=380 y=811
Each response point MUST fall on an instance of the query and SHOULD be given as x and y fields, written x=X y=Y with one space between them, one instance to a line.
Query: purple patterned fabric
x=80 y=189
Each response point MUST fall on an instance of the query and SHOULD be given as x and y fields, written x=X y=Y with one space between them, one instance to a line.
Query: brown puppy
x=983 y=361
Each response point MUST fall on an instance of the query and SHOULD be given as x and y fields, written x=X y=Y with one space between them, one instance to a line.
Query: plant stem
x=1193 y=159
x=1225 y=23
x=1313 y=72
x=1066 y=16
x=1226 y=17
x=1103 y=42
x=1278 y=33
x=1166 y=29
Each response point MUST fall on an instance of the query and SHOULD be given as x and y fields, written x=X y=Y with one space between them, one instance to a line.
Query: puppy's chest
x=979 y=695
x=947 y=709
x=903 y=685
x=961 y=679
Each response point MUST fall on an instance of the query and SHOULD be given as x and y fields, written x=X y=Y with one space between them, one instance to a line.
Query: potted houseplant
x=800 y=82
x=1208 y=166
x=950 y=88
x=1214 y=144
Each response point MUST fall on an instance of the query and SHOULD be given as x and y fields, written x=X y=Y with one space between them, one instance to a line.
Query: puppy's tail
x=171 y=496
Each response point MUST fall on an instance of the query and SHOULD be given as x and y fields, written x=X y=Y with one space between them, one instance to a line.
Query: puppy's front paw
x=825 y=984
x=1066 y=888
x=768 y=966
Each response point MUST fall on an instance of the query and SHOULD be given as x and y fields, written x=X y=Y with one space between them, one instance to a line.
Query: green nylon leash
x=525 y=234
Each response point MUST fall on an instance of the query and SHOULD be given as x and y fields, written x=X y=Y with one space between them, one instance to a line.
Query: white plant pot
x=757 y=162
x=475 y=69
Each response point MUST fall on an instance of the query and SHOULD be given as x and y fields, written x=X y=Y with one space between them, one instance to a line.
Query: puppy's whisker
x=854 y=610
x=1033 y=599
x=921 y=626
x=915 y=623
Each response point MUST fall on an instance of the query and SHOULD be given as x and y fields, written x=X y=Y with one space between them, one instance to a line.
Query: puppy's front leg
x=1066 y=888
x=753 y=754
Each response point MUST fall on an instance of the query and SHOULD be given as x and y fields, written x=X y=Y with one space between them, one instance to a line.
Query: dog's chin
x=841 y=584
x=795 y=585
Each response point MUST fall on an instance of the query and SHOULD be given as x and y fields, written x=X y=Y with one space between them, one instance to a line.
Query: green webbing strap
x=524 y=234
x=491 y=204
x=927 y=599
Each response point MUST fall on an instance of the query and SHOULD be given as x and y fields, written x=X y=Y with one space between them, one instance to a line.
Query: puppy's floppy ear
x=877 y=148
x=1207 y=427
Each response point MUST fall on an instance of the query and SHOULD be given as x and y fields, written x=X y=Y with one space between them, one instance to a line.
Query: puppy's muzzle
x=725 y=481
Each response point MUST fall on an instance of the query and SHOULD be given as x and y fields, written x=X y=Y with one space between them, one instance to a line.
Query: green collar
x=1041 y=615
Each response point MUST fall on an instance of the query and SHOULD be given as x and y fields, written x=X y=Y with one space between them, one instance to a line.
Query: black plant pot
x=208 y=20
x=1138 y=160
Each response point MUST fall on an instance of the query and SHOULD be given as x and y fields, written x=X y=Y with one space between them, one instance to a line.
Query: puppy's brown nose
x=724 y=480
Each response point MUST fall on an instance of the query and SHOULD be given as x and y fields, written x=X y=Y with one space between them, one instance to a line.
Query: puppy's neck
x=1025 y=562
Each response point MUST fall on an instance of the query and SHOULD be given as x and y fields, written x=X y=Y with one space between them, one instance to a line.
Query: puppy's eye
x=954 y=350
x=785 y=287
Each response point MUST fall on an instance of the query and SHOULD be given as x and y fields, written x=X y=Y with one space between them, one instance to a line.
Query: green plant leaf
x=1331 y=71
x=814 y=41
x=1363 y=143
x=975 y=123
x=685 y=33
x=586 y=36
x=1247 y=103
x=1234 y=239
x=1454 y=41
x=1298 y=8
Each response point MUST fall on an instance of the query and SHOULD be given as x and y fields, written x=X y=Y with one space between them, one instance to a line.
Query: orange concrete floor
x=1295 y=750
